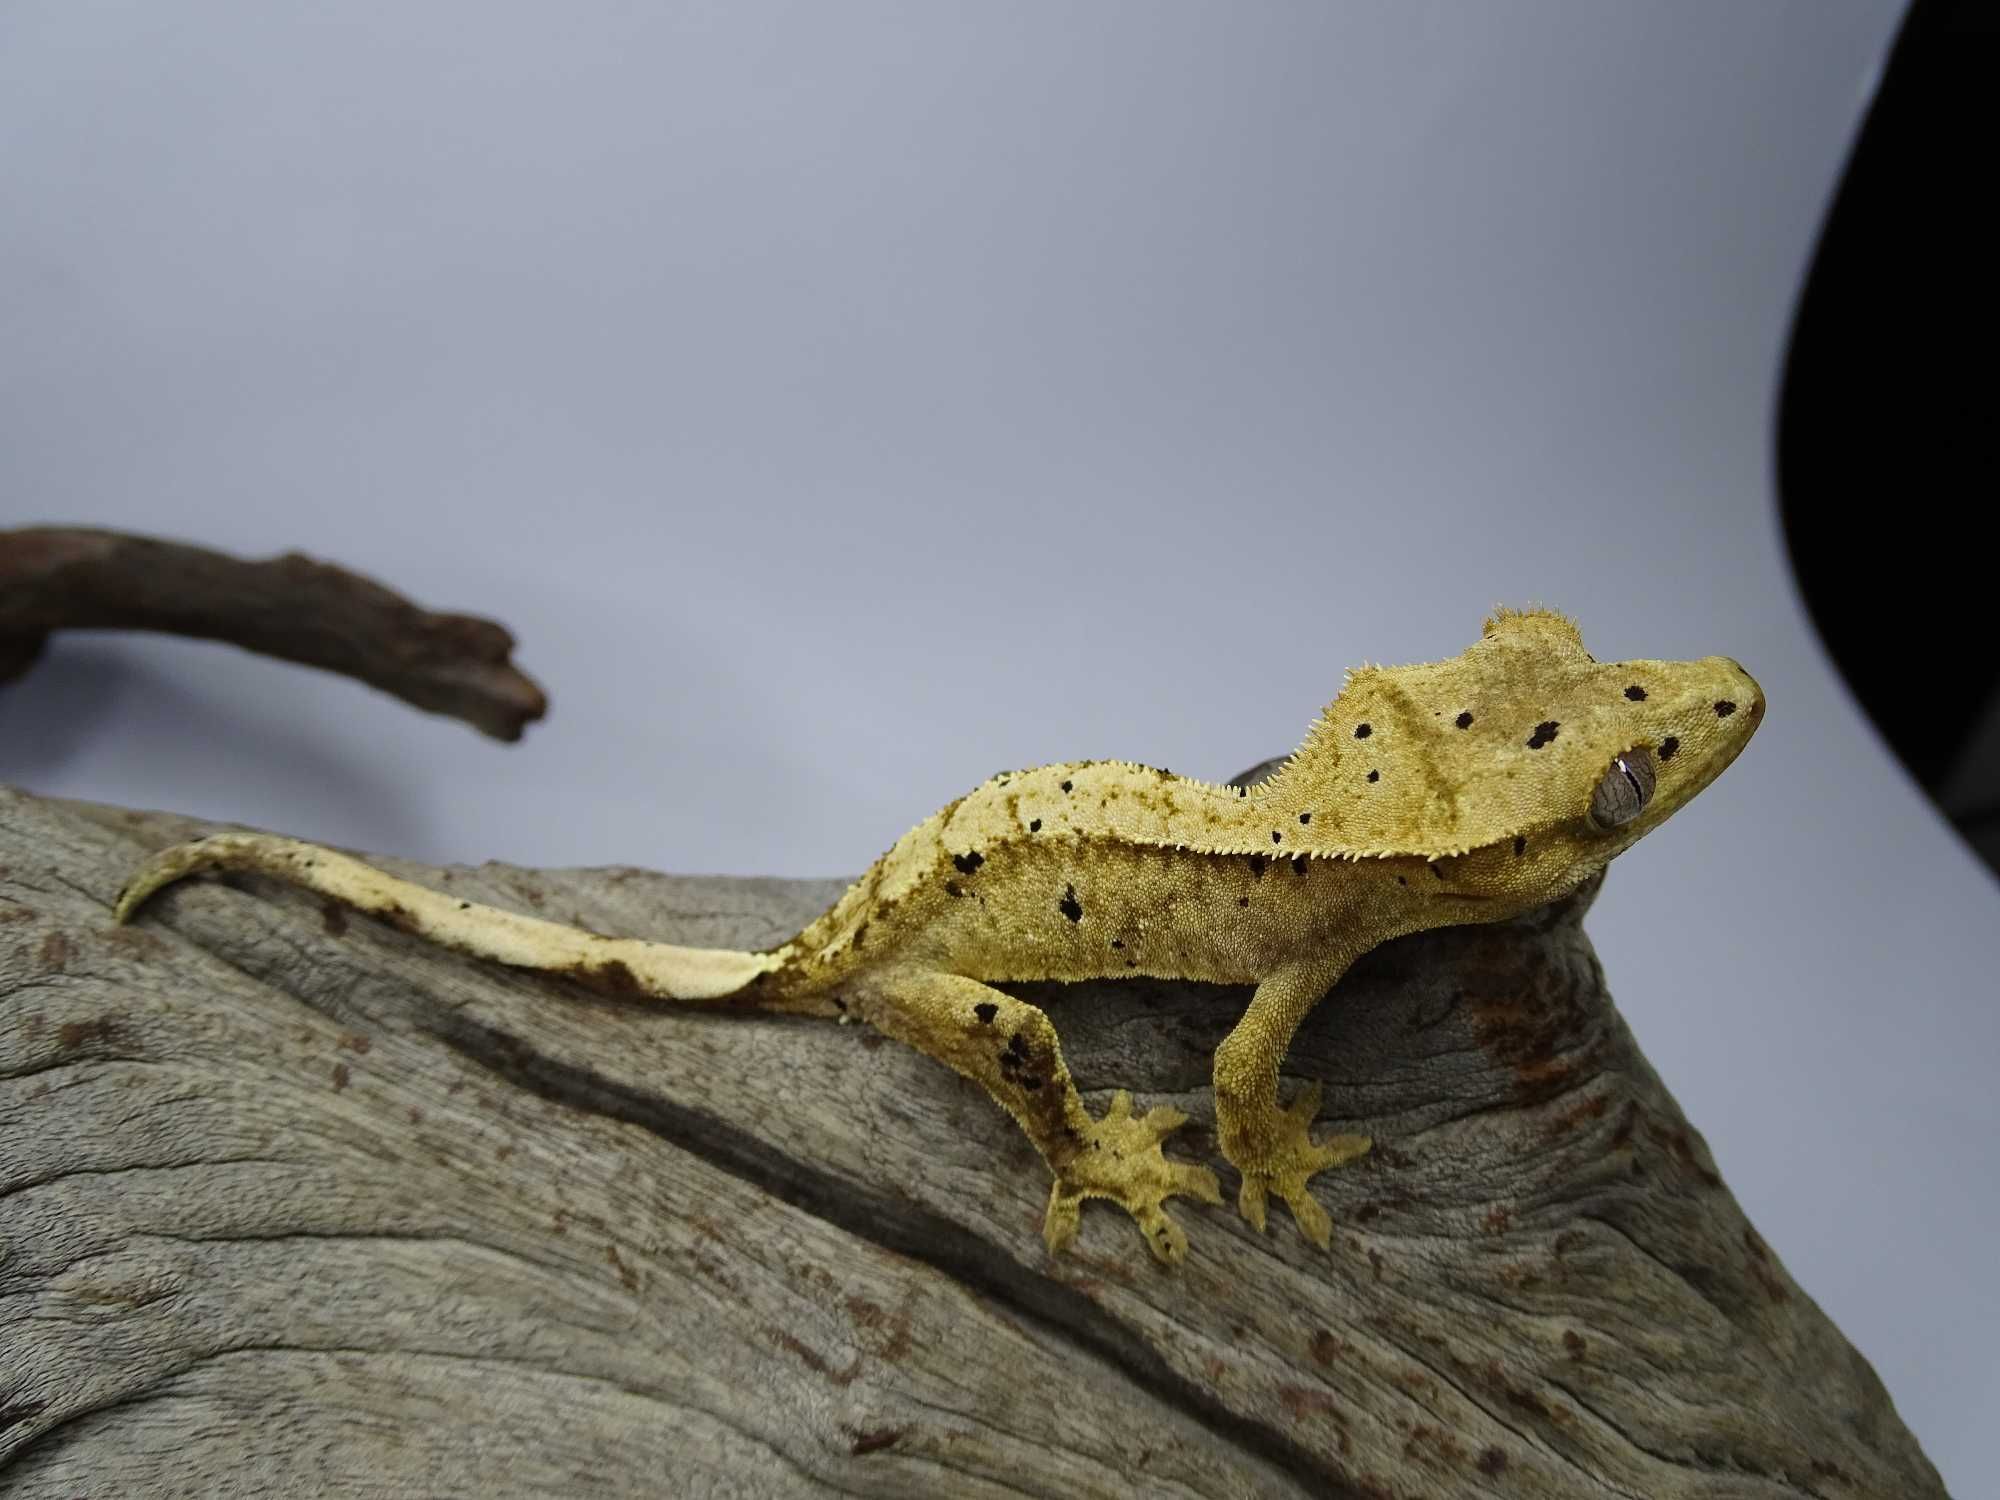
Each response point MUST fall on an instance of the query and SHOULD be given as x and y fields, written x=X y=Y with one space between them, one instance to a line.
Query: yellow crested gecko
x=1460 y=791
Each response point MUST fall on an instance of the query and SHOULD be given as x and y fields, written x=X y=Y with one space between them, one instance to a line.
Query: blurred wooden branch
x=68 y=578
x=289 y=1200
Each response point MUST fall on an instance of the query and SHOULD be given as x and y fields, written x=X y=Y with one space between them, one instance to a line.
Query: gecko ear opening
x=1624 y=791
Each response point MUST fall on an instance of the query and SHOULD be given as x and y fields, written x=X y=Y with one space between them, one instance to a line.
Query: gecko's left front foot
x=1121 y=1159
x=1277 y=1154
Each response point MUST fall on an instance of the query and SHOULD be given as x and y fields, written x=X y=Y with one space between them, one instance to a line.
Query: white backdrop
x=845 y=402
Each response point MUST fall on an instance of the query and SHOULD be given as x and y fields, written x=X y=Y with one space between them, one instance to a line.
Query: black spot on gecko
x=1463 y=721
x=1034 y=825
x=1724 y=709
x=1243 y=791
x=1362 y=731
x=953 y=888
x=971 y=860
x=1016 y=1048
x=1030 y=1082
x=1069 y=906
x=1277 y=837
x=1242 y=900
x=1118 y=942
x=1668 y=746
x=1305 y=817
x=1257 y=863
x=1636 y=693
x=1545 y=732
x=986 y=1010
x=465 y=906
x=1520 y=845
x=1067 y=785
x=861 y=936
x=1374 y=775
x=1401 y=881
x=1298 y=864
x=1437 y=870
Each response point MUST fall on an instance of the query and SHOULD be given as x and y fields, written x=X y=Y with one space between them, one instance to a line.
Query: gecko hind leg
x=1009 y=1047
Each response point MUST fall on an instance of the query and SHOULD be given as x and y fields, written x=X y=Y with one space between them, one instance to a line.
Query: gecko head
x=1523 y=764
x=1615 y=749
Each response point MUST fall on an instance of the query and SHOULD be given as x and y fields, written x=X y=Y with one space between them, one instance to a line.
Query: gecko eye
x=1624 y=791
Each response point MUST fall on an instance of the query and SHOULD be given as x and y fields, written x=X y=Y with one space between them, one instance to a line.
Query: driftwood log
x=292 y=607
x=290 y=1202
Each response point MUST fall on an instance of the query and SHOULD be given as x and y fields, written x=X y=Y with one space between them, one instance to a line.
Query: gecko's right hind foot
x=1283 y=1162
x=1121 y=1159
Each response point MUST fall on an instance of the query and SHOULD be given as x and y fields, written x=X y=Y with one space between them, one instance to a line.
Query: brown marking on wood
x=339 y=1076
x=873 y=1317
x=74 y=1034
x=1592 y=1107
x=1681 y=1148
x=354 y=1041
x=1627 y=1123
x=626 y=1274
x=139 y=942
x=812 y=1358
x=1303 y=1401
x=55 y=952
x=333 y=917
x=874 y=1440
x=1433 y=1445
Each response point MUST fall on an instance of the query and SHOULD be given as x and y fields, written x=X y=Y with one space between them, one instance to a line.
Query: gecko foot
x=1121 y=1159
x=1280 y=1157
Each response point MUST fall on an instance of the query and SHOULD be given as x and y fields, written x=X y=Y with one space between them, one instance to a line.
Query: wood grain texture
x=292 y=1202
x=292 y=607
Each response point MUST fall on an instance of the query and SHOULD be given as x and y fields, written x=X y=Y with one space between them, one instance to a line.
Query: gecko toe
x=1060 y=1222
x=1339 y=1150
x=1312 y=1220
x=1195 y=1182
x=1250 y=1202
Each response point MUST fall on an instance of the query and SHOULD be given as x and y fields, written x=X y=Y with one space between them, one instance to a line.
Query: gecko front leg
x=1271 y=1146
x=1009 y=1047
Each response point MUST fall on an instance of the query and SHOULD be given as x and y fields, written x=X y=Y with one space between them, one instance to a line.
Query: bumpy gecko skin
x=1460 y=791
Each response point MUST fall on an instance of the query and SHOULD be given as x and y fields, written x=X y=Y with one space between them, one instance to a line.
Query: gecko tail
x=626 y=966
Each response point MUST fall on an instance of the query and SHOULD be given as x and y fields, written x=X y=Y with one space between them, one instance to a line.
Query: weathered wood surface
x=290 y=1202
x=292 y=607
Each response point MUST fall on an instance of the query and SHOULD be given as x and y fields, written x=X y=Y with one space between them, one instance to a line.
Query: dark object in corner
x=1887 y=465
